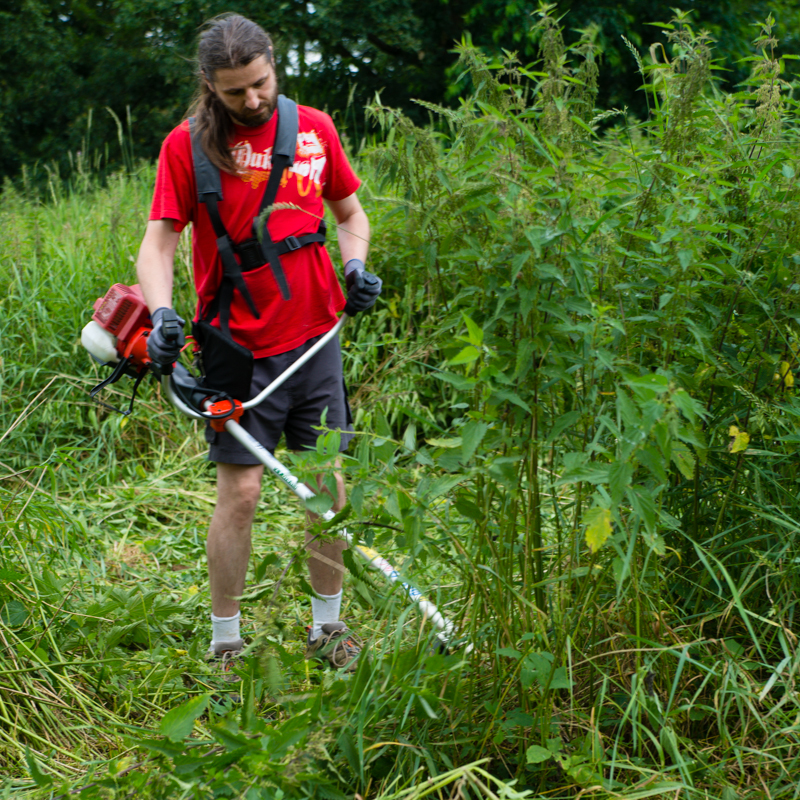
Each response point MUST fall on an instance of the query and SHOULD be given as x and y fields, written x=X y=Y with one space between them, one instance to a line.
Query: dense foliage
x=76 y=71
x=577 y=399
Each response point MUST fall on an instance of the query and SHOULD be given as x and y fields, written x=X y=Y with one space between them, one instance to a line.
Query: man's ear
x=208 y=83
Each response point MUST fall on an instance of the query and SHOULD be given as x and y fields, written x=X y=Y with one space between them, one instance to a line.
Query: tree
x=72 y=58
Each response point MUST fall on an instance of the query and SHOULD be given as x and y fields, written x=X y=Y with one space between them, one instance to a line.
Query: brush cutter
x=117 y=337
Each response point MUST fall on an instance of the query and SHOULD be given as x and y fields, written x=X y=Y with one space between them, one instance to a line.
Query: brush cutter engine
x=119 y=327
x=117 y=336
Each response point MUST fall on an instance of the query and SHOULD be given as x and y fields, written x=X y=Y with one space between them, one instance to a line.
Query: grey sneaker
x=227 y=654
x=337 y=645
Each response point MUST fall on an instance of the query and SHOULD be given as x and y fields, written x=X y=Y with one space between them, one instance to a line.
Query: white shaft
x=166 y=383
x=370 y=556
x=312 y=351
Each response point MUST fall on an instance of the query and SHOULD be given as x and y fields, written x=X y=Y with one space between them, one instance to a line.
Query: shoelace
x=349 y=647
x=228 y=657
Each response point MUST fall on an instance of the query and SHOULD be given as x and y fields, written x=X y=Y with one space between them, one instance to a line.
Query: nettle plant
x=602 y=430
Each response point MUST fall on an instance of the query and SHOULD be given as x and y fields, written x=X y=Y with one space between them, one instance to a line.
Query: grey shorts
x=294 y=408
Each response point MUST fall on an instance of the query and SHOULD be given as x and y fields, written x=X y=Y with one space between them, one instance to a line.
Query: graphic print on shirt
x=309 y=164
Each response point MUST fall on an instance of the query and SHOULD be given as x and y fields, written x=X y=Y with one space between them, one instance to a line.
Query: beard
x=253 y=118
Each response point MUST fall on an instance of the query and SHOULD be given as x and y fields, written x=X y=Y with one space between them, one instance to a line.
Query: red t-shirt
x=321 y=170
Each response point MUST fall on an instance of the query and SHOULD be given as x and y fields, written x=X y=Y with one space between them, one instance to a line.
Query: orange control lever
x=222 y=408
x=136 y=348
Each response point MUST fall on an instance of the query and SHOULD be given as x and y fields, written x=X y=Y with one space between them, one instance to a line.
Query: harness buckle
x=250 y=254
x=292 y=243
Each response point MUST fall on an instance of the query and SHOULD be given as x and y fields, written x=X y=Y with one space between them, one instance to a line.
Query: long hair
x=229 y=41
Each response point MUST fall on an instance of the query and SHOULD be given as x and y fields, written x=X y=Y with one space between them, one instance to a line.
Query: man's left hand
x=363 y=287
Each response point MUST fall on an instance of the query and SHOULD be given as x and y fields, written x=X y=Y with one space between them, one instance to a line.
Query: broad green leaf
x=627 y=408
x=536 y=755
x=474 y=332
x=471 y=436
x=598 y=527
x=525 y=350
x=9 y=576
x=560 y=679
x=160 y=746
x=643 y=385
x=443 y=485
x=504 y=471
x=447 y=443
x=518 y=262
x=619 y=476
x=509 y=397
x=178 y=723
x=508 y=652
x=351 y=752
x=683 y=459
x=644 y=505
x=410 y=437
x=459 y=381
x=229 y=740
x=652 y=459
x=740 y=440
x=465 y=506
x=562 y=423
x=688 y=405
x=577 y=467
x=466 y=356
x=784 y=376
x=383 y=448
x=320 y=503
x=14 y=614
x=394 y=505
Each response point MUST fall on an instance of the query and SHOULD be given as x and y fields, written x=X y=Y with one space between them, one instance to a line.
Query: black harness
x=251 y=253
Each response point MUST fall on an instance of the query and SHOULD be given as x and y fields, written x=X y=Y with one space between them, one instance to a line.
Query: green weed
x=577 y=432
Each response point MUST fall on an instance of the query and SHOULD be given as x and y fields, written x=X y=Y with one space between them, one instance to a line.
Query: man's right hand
x=166 y=340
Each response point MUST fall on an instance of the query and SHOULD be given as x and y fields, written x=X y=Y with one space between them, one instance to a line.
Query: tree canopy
x=70 y=62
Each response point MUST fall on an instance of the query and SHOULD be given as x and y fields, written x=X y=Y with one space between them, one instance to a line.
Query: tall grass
x=578 y=432
x=609 y=323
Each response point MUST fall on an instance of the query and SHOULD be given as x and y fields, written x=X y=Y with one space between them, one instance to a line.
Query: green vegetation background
x=70 y=65
x=579 y=435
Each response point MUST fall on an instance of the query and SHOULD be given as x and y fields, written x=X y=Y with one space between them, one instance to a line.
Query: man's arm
x=363 y=287
x=353 y=230
x=155 y=264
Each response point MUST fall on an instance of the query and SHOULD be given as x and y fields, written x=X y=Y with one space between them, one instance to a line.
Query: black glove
x=363 y=287
x=166 y=340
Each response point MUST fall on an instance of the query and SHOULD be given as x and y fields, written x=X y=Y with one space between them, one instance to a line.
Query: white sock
x=325 y=608
x=224 y=629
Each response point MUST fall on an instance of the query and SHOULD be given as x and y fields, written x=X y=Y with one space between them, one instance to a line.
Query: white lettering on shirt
x=309 y=157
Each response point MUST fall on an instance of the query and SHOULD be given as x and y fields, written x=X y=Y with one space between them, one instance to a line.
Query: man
x=235 y=122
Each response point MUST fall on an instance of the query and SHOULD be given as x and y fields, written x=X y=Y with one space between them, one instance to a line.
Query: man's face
x=250 y=93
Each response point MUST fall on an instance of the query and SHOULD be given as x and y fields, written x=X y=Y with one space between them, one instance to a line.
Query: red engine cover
x=122 y=311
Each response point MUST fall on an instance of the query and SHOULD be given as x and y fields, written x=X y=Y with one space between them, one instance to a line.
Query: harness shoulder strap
x=206 y=175
x=288 y=126
x=209 y=192
x=283 y=152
